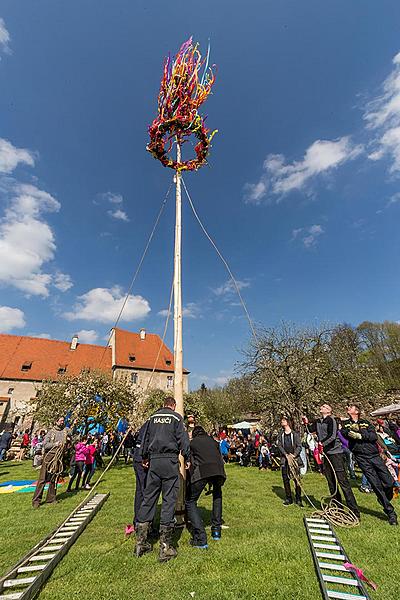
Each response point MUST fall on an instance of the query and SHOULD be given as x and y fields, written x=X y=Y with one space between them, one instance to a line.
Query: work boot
x=142 y=545
x=167 y=551
x=393 y=519
x=216 y=533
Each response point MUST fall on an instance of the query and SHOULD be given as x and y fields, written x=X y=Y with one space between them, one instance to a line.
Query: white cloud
x=280 y=178
x=192 y=310
x=43 y=336
x=213 y=381
x=116 y=200
x=112 y=198
x=11 y=318
x=383 y=116
x=308 y=235
x=118 y=214
x=103 y=305
x=26 y=240
x=88 y=336
x=228 y=288
x=11 y=157
x=4 y=37
x=62 y=281
x=321 y=157
x=395 y=199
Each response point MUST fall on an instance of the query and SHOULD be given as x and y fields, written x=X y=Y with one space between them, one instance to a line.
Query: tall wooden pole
x=178 y=351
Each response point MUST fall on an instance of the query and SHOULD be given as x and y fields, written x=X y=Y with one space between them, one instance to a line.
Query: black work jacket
x=367 y=446
x=165 y=436
x=206 y=458
x=296 y=443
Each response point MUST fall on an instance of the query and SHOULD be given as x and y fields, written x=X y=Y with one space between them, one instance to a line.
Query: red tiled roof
x=145 y=351
x=47 y=356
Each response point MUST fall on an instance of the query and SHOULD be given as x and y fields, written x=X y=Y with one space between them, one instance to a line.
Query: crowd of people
x=333 y=446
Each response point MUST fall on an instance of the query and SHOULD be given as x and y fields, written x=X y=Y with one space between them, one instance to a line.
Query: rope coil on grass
x=331 y=509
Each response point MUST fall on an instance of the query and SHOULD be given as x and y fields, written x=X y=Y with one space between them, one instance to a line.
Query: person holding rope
x=52 y=465
x=363 y=441
x=333 y=459
x=289 y=445
x=165 y=437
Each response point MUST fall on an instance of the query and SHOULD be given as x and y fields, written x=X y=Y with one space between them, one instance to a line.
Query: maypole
x=183 y=89
x=178 y=343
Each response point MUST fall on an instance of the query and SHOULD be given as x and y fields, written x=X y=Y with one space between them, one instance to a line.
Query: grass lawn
x=263 y=554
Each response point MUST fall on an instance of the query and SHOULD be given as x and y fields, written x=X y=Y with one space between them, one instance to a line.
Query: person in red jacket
x=89 y=464
x=24 y=445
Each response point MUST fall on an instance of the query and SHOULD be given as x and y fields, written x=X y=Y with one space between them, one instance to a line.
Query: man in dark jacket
x=5 y=443
x=164 y=438
x=363 y=443
x=207 y=467
x=333 y=461
x=289 y=444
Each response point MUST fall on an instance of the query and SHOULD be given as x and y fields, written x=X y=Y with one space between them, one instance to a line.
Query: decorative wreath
x=181 y=94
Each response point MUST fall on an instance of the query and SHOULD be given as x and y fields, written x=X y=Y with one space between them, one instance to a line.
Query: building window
x=170 y=382
x=132 y=358
x=167 y=362
x=134 y=377
x=10 y=390
x=26 y=366
x=62 y=369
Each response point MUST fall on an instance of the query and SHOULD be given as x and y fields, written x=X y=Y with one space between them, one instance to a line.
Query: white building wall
x=20 y=405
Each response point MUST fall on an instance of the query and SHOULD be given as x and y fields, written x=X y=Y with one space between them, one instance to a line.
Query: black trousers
x=193 y=494
x=335 y=466
x=162 y=477
x=286 y=484
x=78 y=470
x=141 y=476
x=380 y=480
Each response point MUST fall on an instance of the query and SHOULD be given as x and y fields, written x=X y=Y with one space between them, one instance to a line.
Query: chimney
x=74 y=342
x=142 y=334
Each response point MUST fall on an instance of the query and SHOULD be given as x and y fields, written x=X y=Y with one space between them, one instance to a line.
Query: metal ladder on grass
x=26 y=578
x=329 y=557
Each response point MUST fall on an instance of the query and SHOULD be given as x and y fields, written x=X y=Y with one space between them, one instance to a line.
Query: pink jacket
x=81 y=452
x=90 y=455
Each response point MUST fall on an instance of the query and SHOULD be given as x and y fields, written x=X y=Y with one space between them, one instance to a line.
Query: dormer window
x=62 y=369
x=26 y=366
x=132 y=358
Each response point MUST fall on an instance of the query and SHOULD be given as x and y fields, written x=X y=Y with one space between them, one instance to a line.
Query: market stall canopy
x=243 y=425
x=386 y=410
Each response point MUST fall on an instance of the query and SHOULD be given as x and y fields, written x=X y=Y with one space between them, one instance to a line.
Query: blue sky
x=301 y=193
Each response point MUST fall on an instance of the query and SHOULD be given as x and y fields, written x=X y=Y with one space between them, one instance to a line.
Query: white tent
x=386 y=410
x=243 y=425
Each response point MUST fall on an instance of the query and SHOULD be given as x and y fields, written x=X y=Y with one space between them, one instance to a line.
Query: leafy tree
x=381 y=346
x=292 y=370
x=92 y=397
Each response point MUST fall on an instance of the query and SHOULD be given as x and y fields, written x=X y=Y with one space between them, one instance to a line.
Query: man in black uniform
x=164 y=438
x=363 y=443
